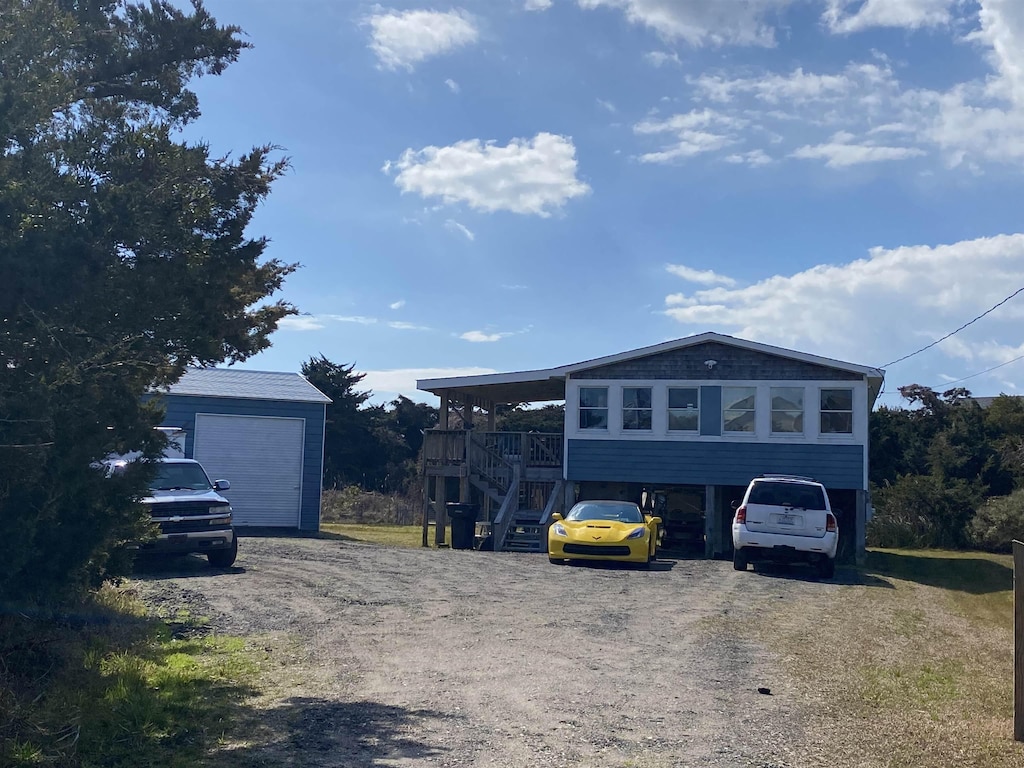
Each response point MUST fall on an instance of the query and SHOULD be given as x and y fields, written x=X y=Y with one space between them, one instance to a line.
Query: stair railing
x=490 y=465
x=507 y=512
x=556 y=502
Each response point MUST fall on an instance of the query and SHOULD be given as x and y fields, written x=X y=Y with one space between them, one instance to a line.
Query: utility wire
x=979 y=373
x=951 y=333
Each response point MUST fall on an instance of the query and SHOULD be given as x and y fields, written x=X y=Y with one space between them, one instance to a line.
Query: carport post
x=710 y=520
x=440 y=510
x=1018 y=641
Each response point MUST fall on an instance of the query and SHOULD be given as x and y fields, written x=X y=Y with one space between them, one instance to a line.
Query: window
x=787 y=409
x=636 y=408
x=837 y=411
x=738 y=408
x=593 y=407
x=683 y=409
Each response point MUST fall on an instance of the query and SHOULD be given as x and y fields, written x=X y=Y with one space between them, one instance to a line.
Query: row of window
x=739 y=409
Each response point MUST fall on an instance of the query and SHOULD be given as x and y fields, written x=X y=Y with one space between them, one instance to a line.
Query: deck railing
x=445 y=447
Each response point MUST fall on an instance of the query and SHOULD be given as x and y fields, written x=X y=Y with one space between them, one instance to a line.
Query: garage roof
x=247 y=385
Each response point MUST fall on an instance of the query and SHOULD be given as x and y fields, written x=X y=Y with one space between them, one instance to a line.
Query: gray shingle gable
x=731 y=363
x=247 y=385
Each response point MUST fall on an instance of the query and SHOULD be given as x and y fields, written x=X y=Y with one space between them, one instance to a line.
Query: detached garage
x=263 y=432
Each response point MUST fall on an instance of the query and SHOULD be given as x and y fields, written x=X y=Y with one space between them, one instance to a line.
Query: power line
x=979 y=373
x=951 y=333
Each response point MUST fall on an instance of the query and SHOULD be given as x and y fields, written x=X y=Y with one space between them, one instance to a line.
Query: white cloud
x=703 y=277
x=661 y=58
x=607 y=105
x=695 y=133
x=797 y=87
x=878 y=308
x=1002 y=29
x=400 y=325
x=452 y=85
x=300 y=323
x=402 y=40
x=910 y=14
x=387 y=384
x=754 y=158
x=453 y=226
x=481 y=336
x=537 y=5
x=529 y=176
x=702 y=22
x=843 y=152
x=357 y=319
x=397 y=304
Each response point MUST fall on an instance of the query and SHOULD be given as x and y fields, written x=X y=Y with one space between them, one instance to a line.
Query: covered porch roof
x=549 y=384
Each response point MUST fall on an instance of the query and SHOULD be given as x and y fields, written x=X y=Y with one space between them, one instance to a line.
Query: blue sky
x=498 y=185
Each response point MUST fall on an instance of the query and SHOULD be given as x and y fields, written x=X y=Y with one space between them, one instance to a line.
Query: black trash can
x=463 y=520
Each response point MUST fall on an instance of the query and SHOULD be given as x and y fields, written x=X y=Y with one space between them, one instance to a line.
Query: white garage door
x=262 y=459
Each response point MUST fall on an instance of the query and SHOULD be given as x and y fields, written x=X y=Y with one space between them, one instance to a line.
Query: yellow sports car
x=603 y=530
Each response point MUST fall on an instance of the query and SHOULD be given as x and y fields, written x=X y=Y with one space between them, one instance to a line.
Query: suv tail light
x=741 y=515
x=830 y=523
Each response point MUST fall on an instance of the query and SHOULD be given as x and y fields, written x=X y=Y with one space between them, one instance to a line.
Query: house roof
x=241 y=384
x=549 y=384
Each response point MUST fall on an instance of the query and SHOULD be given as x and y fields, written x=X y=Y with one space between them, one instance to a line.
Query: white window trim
x=607 y=409
x=622 y=408
x=771 y=411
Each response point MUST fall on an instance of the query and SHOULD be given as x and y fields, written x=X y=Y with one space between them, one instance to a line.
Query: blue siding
x=711 y=410
x=711 y=463
x=182 y=410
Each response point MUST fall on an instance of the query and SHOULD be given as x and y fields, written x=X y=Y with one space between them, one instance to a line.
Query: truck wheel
x=224 y=558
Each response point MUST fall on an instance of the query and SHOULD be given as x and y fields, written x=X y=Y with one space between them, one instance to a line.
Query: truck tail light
x=741 y=515
x=830 y=523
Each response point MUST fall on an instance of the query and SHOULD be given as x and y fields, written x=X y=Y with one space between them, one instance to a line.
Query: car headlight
x=221 y=509
x=559 y=529
x=637 y=534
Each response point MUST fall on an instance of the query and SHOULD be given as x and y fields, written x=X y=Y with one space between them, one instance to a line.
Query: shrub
x=998 y=522
x=351 y=504
x=923 y=511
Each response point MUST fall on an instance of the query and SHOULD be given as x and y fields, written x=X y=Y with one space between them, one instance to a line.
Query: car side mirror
x=557 y=516
x=221 y=485
x=735 y=504
x=656 y=520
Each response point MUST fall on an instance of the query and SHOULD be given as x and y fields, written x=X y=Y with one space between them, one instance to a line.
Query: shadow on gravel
x=155 y=567
x=844 y=576
x=319 y=732
x=973 y=575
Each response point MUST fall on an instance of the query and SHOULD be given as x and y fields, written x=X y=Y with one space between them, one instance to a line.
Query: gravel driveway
x=383 y=656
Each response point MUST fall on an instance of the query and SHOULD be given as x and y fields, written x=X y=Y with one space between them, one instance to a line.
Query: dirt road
x=396 y=657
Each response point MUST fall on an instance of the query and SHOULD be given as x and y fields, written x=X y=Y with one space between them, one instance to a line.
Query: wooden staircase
x=526 y=532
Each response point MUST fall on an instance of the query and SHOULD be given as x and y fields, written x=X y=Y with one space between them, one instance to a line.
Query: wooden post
x=711 y=526
x=442 y=413
x=440 y=510
x=426 y=507
x=1018 y=641
x=492 y=416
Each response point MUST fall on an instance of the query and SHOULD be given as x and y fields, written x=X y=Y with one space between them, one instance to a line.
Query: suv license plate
x=787 y=519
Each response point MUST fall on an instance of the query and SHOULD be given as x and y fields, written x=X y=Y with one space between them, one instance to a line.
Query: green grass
x=107 y=686
x=391 y=535
x=978 y=584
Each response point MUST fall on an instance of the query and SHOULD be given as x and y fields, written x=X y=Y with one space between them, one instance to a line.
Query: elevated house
x=679 y=427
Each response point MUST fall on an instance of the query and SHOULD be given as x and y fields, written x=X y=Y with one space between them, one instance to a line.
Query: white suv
x=784 y=517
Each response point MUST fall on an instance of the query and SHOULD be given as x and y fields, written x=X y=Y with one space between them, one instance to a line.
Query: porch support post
x=860 y=552
x=440 y=510
x=492 y=417
x=426 y=508
x=467 y=465
x=711 y=526
x=442 y=414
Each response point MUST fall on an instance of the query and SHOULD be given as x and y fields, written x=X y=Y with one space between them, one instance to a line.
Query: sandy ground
x=382 y=656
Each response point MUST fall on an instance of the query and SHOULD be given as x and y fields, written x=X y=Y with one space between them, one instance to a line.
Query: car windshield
x=798 y=495
x=174 y=476
x=623 y=513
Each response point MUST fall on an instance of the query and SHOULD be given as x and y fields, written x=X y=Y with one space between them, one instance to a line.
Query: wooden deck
x=515 y=479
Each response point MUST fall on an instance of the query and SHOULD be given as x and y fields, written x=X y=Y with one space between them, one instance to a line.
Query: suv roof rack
x=783 y=476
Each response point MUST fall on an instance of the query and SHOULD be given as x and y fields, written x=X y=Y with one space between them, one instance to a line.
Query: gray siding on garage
x=731 y=363
x=711 y=463
x=182 y=410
